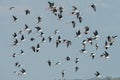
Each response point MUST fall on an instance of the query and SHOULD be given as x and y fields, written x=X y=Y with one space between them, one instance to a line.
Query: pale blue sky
x=106 y=20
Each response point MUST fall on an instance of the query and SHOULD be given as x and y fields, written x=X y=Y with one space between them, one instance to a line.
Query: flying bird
x=63 y=73
x=97 y=74
x=14 y=35
x=76 y=60
x=49 y=62
x=86 y=29
x=68 y=58
x=14 y=18
x=38 y=47
x=78 y=33
x=105 y=55
x=11 y=8
x=93 y=6
x=33 y=48
x=27 y=11
x=73 y=24
x=39 y=19
x=76 y=68
x=92 y=55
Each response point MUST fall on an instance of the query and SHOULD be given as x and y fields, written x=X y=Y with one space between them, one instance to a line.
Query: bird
x=84 y=43
x=57 y=63
x=22 y=38
x=50 y=4
x=78 y=33
x=61 y=9
x=92 y=55
x=27 y=11
x=106 y=45
x=43 y=39
x=74 y=10
x=50 y=38
x=56 y=31
x=38 y=47
x=90 y=40
x=39 y=19
x=96 y=45
x=23 y=71
x=97 y=74
x=17 y=64
x=68 y=43
x=26 y=28
x=14 y=35
x=33 y=48
x=68 y=58
x=93 y=6
x=14 y=55
x=60 y=16
x=11 y=7
x=83 y=50
x=105 y=55
x=80 y=19
x=63 y=73
x=14 y=18
x=38 y=29
x=96 y=36
x=86 y=29
x=76 y=68
x=76 y=60
x=73 y=24
x=32 y=39
x=15 y=42
x=21 y=52
x=49 y=62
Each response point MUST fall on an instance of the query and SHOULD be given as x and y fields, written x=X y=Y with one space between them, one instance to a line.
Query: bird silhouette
x=14 y=18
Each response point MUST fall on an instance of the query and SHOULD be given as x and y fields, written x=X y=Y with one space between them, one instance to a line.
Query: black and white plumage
x=105 y=55
x=21 y=52
x=14 y=18
x=76 y=68
x=90 y=40
x=14 y=55
x=86 y=29
x=11 y=7
x=97 y=46
x=27 y=11
x=68 y=43
x=14 y=35
x=38 y=29
x=38 y=47
x=106 y=45
x=93 y=6
x=97 y=74
x=63 y=73
x=92 y=55
x=96 y=36
x=84 y=43
x=73 y=24
x=33 y=48
x=83 y=50
x=80 y=19
x=49 y=62
x=16 y=42
x=23 y=71
x=22 y=38
x=68 y=58
x=78 y=33
x=76 y=60
x=39 y=19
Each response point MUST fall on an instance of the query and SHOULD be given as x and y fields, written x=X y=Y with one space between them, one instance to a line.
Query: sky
x=105 y=20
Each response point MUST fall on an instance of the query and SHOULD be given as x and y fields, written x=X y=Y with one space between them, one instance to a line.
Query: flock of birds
x=20 y=37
